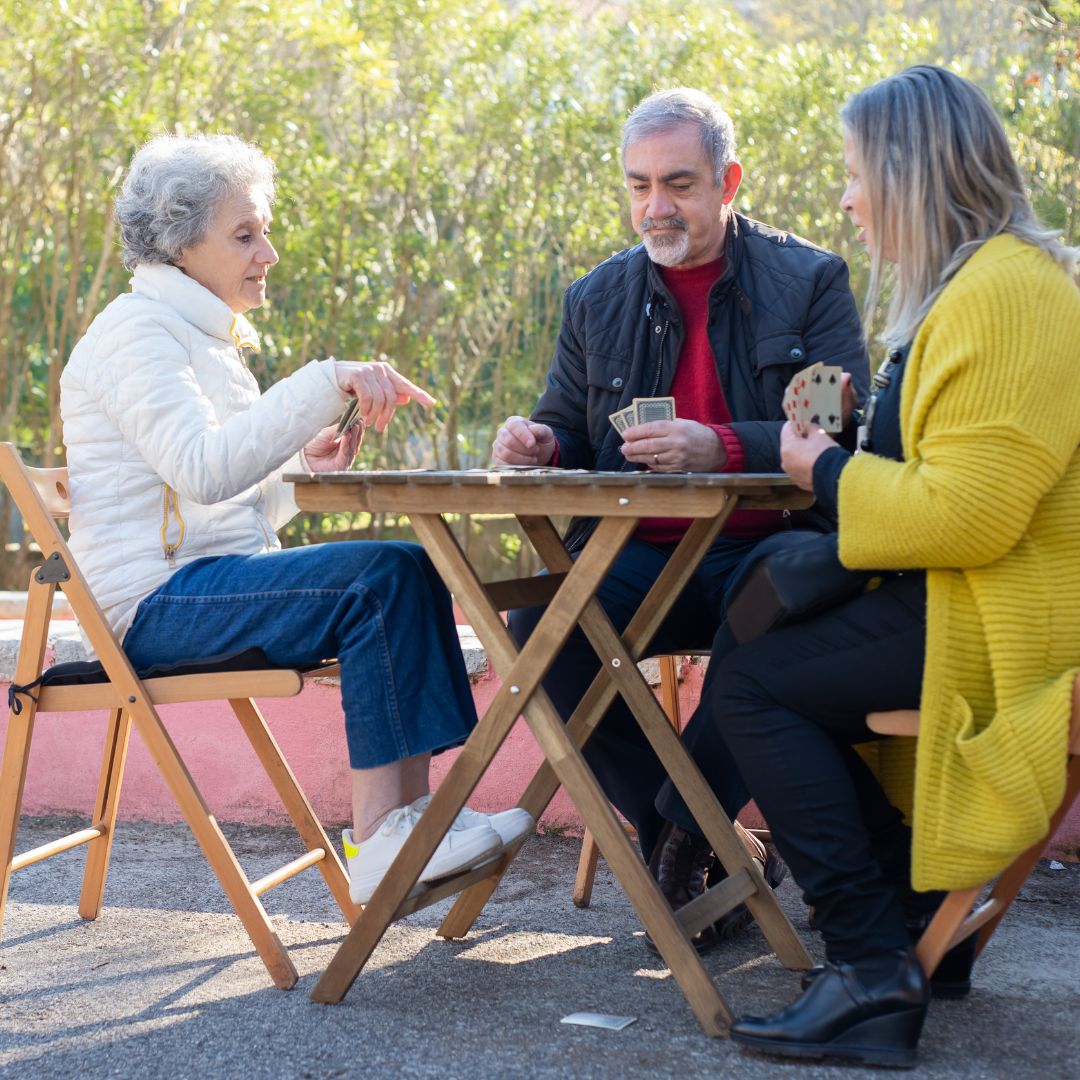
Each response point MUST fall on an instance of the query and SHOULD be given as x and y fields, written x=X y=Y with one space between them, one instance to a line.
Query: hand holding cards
x=642 y=411
x=813 y=398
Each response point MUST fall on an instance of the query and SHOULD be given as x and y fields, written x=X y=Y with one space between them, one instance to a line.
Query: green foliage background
x=447 y=167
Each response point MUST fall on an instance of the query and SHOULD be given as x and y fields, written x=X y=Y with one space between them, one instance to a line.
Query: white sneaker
x=511 y=825
x=463 y=847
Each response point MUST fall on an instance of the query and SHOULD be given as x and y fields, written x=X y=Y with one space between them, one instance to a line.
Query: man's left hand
x=799 y=452
x=675 y=446
x=328 y=452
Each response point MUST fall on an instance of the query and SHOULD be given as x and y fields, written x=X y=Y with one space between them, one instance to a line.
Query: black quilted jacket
x=781 y=303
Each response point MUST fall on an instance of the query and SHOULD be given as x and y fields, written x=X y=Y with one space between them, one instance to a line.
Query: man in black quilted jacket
x=719 y=312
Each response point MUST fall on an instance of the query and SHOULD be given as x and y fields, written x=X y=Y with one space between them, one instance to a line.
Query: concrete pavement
x=165 y=983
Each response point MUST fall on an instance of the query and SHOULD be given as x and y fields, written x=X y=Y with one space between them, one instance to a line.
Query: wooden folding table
x=618 y=501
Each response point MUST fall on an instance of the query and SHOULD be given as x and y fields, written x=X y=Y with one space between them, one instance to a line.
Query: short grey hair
x=174 y=186
x=667 y=109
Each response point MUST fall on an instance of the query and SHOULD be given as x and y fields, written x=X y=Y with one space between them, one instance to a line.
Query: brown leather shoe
x=684 y=866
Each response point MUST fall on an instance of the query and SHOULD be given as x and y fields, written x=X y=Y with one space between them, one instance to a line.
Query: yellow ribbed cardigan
x=987 y=500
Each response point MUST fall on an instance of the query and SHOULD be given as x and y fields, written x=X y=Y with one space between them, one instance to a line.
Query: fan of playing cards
x=813 y=398
x=642 y=411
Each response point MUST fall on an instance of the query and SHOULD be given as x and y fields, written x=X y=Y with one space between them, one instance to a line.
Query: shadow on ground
x=165 y=983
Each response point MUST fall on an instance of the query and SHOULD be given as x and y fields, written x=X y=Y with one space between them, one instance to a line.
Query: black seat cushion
x=82 y=672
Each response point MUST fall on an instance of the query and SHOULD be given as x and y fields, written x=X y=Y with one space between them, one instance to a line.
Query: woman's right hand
x=378 y=390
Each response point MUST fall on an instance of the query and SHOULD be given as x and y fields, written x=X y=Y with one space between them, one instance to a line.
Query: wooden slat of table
x=585 y=493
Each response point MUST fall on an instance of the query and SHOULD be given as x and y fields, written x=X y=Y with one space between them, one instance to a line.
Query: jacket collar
x=193 y=303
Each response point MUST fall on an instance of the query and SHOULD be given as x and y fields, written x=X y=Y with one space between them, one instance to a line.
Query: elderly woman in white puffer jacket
x=175 y=463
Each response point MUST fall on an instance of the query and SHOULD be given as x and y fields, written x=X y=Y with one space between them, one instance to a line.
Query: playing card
x=803 y=404
x=349 y=418
x=600 y=1020
x=622 y=419
x=789 y=403
x=824 y=396
x=649 y=409
x=796 y=402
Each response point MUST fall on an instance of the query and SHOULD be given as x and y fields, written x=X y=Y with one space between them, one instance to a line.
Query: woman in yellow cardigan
x=967 y=487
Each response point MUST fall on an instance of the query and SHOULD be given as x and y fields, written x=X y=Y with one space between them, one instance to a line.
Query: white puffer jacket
x=172 y=452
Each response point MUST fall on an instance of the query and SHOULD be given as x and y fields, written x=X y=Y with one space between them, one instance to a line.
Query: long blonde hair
x=941 y=180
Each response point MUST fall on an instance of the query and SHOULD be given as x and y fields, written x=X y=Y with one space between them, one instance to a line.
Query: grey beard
x=667 y=252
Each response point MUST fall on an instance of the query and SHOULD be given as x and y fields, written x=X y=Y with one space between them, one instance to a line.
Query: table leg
x=668 y=746
x=522 y=678
x=641 y=630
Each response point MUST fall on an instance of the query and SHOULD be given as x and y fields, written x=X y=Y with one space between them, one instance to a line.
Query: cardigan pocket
x=997 y=798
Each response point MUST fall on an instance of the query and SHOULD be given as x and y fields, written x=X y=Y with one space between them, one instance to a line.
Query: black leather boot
x=684 y=866
x=870 y=1010
x=681 y=863
x=951 y=978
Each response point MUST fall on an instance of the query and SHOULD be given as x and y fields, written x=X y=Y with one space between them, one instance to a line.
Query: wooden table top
x=546 y=491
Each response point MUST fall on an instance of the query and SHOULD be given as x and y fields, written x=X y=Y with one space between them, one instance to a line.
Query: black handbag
x=789 y=576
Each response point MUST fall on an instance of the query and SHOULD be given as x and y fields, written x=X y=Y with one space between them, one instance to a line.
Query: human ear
x=732 y=180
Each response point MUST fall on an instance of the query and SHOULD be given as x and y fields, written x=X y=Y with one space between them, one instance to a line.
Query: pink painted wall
x=62 y=776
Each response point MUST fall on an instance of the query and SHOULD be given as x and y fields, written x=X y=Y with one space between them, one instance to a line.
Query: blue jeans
x=379 y=607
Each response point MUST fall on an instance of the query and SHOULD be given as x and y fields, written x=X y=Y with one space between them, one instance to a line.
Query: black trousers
x=624 y=763
x=789 y=707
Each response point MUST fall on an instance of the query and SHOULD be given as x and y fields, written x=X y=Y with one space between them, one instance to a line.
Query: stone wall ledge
x=65 y=645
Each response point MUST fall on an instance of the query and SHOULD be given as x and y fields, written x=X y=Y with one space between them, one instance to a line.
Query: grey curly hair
x=173 y=187
x=665 y=109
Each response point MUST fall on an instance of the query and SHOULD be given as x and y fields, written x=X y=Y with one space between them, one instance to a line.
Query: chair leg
x=39 y=598
x=669 y=700
x=12 y=782
x=669 y=689
x=292 y=796
x=938 y=936
x=98 y=851
x=1012 y=880
x=586 y=871
x=215 y=847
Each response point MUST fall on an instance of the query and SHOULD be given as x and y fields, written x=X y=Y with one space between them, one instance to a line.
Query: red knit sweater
x=699 y=396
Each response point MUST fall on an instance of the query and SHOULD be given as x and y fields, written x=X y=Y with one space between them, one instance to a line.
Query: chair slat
x=174 y=689
x=900 y=722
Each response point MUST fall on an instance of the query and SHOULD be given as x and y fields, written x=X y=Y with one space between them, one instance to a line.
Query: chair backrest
x=41 y=496
x=52 y=486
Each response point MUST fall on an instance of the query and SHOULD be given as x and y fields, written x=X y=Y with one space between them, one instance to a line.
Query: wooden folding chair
x=590 y=851
x=962 y=913
x=41 y=495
